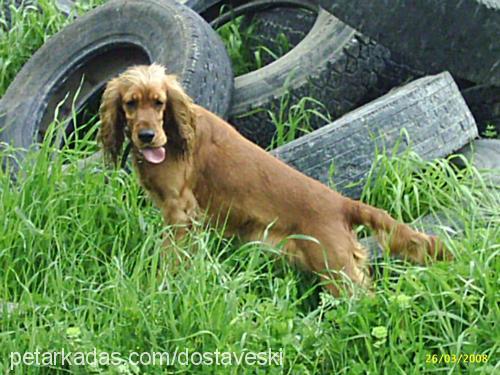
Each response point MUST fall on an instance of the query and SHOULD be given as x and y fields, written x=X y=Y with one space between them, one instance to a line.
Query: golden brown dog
x=192 y=162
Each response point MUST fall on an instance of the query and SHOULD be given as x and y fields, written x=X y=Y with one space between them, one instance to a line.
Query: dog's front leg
x=179 y=213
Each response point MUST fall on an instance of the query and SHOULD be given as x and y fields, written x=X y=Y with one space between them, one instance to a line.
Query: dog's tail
x=399 y=238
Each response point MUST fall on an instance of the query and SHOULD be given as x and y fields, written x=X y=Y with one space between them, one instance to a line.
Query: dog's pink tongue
x=154 y=155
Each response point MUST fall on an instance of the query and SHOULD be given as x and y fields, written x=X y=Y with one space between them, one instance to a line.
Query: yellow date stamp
x=456 y=358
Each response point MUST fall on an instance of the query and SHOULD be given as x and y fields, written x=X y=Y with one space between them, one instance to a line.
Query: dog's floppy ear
x=179 y=122
x=111 y=134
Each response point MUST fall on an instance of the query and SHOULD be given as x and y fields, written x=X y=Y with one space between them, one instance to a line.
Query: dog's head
x=151 y=108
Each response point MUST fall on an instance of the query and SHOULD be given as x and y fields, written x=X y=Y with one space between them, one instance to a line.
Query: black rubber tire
x=484 y=103
x=103 y=43
x=459 y=36
x=333 y=64
x=431 y=111
x=296 y=24
x=294 y=18
x=293 y=23
x=270 y=24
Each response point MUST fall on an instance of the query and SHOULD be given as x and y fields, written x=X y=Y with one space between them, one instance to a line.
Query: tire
x=459 y=36
x=101 y=45
x=294 y=18
x=270 y=18
x=430 y=110
x=294 y=24
x=333 y=64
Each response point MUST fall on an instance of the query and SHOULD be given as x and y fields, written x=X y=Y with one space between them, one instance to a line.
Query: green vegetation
x=490 y=131
x=29 y=28
x=246 y=48
x=80 y=253
x=293 y=120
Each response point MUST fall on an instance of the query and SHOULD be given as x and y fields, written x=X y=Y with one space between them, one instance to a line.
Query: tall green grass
x=293 y=119
x=30 y=26
x=80 y=254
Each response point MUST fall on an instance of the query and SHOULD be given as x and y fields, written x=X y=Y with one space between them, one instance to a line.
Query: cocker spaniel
x=192 y=162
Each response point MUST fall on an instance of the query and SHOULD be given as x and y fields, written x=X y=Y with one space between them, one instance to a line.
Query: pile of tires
x=380 y=68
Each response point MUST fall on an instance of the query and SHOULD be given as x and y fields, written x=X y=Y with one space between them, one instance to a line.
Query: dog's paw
x=427 y=248
x=438 y=250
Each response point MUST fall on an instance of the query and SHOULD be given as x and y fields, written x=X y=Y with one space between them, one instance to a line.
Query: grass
x=80 y=253
x=246 y=49
x=490 y=132
x=293 y=120
x=29 y=28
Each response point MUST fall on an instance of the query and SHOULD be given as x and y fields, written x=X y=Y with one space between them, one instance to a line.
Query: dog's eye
x=131 y=104
x=158 y=103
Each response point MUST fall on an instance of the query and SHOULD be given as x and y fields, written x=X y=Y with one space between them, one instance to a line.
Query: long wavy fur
x=179 y=120
x=111 y=134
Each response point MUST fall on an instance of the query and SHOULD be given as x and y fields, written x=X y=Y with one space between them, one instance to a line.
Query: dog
x=192 y=163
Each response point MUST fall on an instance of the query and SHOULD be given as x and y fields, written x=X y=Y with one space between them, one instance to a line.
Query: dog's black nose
x=146 y=135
